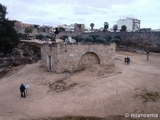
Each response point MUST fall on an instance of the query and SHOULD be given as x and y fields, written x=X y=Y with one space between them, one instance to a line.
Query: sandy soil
x=95 y=91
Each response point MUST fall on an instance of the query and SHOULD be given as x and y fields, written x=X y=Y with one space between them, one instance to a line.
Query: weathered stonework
x=60 y=57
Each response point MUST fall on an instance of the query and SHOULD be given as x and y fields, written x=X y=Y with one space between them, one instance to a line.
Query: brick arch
x=88 y=59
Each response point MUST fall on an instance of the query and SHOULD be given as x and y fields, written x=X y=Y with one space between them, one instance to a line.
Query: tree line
x=106 y=26
x=94 y=38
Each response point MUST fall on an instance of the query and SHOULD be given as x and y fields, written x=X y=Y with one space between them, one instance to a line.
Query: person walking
x=128 y=60
x=125 y=60
x=22 y=90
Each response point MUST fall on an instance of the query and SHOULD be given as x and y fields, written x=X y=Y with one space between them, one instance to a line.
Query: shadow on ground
x=116 y=117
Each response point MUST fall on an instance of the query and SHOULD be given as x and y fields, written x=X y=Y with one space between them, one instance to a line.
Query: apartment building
x=132 y=24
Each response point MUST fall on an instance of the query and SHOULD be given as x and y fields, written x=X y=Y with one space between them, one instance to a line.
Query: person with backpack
x=22 y=90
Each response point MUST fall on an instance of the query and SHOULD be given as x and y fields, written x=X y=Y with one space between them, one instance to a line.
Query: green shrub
x=108 y=37
x=89 y=39
x=77 y=37
x=20 y=35
x=64 y=37
x=82 y=38
x=94 y=36
x=116 y=40
x=100 y=40
x=39 y=37
x=118 y=37
x=48 y=36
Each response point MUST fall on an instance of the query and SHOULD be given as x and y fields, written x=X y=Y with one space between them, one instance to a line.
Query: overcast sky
x=58 y=12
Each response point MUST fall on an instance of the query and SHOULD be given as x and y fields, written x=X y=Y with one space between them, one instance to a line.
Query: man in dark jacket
x=128 y=60
x=22 y=90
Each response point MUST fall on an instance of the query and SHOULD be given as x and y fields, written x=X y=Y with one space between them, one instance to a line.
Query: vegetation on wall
x=94 y=38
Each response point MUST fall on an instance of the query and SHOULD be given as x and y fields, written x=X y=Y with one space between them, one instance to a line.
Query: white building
x=131 y=24
x=67 y=27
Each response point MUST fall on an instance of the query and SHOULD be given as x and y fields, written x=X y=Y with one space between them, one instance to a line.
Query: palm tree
x=115 y=27
x=123 y=28
x=106 y=25
x=92 y=25
x=28 y=30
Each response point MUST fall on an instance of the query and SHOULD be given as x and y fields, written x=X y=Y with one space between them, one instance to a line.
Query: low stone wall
x=60 y=57
x=139 y=37
x=150 y=37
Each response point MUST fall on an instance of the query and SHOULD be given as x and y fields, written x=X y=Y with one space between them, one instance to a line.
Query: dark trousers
x=23 y=94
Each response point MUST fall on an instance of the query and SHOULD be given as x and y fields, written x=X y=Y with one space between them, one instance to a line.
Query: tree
x=108 y=38
x=3 y=11
x=64 y=37
x=94 y=36
x=8 y=35
x=117 y=40
x=40 y=37
x=89 y=39
x=20 y=35
x=147 y=48
x=123 y=28
x=28 y=30
x=115 y=27
x=100 y=40
x=106 y=25
x=92 y=25
x=77 y=37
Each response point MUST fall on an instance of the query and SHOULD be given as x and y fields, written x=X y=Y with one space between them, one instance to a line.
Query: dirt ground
x=96 y=91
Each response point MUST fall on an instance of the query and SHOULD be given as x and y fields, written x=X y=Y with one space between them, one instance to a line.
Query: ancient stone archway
x=89 y=59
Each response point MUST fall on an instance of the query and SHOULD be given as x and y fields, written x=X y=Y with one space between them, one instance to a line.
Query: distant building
x=131 y=24
x=36 y=29
x=18 y=25
x=67 y=27
x=79 y=27
x=145 y=30
x=156 y=30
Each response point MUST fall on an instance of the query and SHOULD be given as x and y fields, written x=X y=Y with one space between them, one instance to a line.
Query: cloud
x=86 y=11
x=141 y=3
x=82 y=10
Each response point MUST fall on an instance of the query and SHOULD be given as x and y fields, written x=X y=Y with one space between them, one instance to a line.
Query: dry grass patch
x=147 y=96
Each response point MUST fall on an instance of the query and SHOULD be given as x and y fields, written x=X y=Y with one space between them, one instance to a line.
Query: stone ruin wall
x=78 y=27
x=139 y=37
x=61 y=57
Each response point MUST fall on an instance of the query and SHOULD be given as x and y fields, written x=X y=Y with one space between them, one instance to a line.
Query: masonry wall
x=140 y=37
x=150 y=37
x=72 y=57
x=34 y=31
